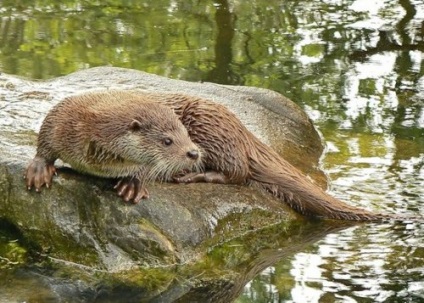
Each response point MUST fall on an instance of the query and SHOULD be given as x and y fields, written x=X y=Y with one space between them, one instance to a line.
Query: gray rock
x=82 y=223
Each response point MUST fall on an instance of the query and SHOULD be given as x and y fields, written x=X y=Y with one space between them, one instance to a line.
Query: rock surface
x=82 y=221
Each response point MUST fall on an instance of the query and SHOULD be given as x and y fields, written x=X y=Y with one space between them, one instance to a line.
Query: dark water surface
x=354 y=66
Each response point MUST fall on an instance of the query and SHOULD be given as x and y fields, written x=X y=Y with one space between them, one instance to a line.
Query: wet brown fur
x=229 y=148
x=112 y=135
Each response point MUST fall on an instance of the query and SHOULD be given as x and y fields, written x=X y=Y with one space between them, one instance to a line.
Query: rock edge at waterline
x=84 y=214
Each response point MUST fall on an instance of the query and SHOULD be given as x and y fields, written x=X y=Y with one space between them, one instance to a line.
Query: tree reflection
x=355 y=66
x=222 y=71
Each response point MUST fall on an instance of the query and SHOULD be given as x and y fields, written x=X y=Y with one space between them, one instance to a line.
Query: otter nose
x=193 y=154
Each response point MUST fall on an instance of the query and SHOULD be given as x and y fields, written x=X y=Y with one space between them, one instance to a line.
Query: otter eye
x=167 y=141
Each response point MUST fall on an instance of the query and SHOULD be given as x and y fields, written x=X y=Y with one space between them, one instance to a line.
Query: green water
x=354 y=66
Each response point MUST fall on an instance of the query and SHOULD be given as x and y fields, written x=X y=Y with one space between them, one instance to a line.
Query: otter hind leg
x=208 y=177
x=131 y=189
x=38 y=173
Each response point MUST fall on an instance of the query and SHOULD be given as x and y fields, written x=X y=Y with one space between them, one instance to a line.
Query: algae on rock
x=80 y=223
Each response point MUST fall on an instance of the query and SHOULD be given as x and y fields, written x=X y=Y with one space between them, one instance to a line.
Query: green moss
x=244 y=223
x=150 y=279
x=60 y=247
x=156 y=250
x=11 y=253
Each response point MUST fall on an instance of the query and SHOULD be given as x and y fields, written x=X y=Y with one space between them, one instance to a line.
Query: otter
x=232 y=154
x=131 y=135
x=114 y=135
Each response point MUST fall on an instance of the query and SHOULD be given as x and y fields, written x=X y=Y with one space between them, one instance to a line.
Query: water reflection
x=222 y=71
x=354 y=66
x=369 y=263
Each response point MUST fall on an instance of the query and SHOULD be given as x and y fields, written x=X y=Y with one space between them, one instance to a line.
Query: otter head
x=160 y=142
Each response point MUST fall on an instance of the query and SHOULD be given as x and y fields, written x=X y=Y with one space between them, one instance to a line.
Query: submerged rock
x=81 y=221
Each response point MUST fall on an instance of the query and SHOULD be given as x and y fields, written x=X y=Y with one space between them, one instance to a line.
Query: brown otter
x=232 y=154
x=115 y=135
x=101 y=137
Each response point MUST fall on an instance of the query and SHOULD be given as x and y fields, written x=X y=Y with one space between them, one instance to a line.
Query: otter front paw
x=208 y=177
x=131 y=189
x=39 y=173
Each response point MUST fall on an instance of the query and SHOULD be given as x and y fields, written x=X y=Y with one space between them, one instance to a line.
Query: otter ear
x=136 y=125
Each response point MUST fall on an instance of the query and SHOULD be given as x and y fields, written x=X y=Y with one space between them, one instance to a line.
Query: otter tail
x=275 y=175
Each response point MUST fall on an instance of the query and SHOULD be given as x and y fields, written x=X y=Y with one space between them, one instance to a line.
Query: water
x=354 y=66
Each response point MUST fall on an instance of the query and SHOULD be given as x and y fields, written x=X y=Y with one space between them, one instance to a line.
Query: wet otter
x=232 y=154
x=114 y=135
x=229 y=152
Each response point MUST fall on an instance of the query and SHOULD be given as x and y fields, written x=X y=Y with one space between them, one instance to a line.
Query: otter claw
x=39 y=173
x=142 y=194
x=131 y=190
